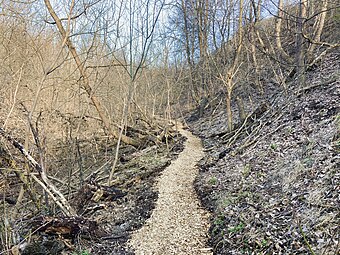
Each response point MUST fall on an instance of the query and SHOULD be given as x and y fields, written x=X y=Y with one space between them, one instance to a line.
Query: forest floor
x=178 y=225
x=122 y=209
x=152 y=209
x=272 y=185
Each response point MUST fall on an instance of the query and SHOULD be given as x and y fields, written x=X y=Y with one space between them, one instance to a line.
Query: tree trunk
x=229 y=113
x=85 y=79
x=300 y=56
x=278 y=25
x=232 y=70
x=256 y=11
x=320 y=22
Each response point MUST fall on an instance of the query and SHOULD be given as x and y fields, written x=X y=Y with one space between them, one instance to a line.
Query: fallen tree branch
x=68 y=227
x=84 y=77
x=326 y=82
x=54 y=193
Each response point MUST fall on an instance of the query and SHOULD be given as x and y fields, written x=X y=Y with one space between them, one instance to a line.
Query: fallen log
x=248 y=121
x=67 y=227
x=44 y=182
x=126 y=158
x=86 y=199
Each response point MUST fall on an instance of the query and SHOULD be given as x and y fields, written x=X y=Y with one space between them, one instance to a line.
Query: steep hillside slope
x=272 y=184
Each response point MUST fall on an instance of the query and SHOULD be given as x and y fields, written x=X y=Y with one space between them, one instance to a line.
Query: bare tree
x=229 y=76
x=254 y=18
x=278 y=32
x=82 y=70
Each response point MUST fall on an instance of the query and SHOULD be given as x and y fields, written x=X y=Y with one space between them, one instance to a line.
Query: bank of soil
x=272 y=185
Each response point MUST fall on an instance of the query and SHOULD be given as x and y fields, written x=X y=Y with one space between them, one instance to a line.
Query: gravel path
x=178 y=224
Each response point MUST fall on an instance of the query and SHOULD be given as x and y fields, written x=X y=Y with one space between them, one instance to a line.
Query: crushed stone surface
x=178 y=224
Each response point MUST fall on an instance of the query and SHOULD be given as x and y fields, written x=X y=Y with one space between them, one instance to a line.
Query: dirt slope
x=178 y=224
x=273 y=186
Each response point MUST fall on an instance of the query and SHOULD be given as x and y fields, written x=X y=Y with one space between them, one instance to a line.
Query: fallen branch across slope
x=44 y=182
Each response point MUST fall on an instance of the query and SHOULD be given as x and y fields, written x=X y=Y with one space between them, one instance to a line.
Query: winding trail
x=178 y=225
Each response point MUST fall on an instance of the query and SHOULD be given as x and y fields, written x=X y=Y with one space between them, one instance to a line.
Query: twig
x=238 y=131
x=306 y=241
x=55 y=194
x=80 y=160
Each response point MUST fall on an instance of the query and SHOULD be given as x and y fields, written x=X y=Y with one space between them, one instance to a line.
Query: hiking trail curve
x=178 y=224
